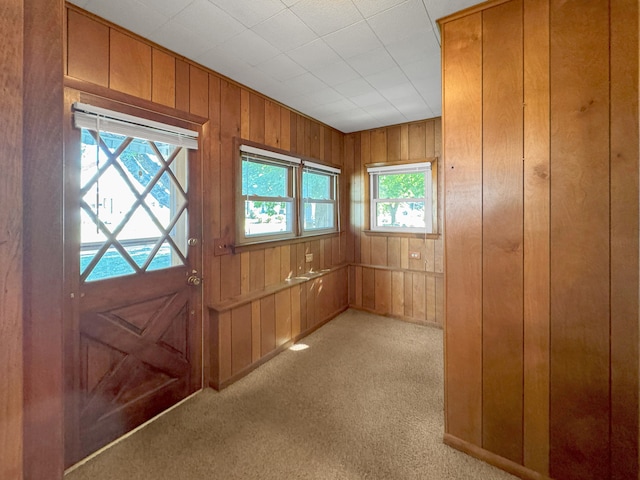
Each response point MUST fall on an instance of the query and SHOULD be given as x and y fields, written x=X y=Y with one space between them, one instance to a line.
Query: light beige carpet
x=364 y=401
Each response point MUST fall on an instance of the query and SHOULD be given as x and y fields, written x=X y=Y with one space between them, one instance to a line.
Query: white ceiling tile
x=398 y=91
x=250 y=12
x=209 y=21
x=369 y=8
x=305 y=83
x=367 y=99
x=316 y=54
x=388 y=78
x=249 y=47
x=80 y=3
x=218 y=60
x=421 y=69
x=400 y=21
x=280 y=68
x=352 y=88
x=285 y=31
x=129 y=14
x=301 y=103
x=181 y=39
x=336 y=73
x=326 y=17
x=326 y=95
x=166 y=7
x=353 y=40
x=418 y=45
x=372 y=62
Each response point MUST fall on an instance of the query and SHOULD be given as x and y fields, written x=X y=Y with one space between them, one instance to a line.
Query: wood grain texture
x=198 y=91
x=224 y=352
x=382 y=291
x=256 y=118
x=272 y=124
x=42 y=141
x=462 y=126
x=241 y=339
x=624 y=238
x=579 y=278
x=129 y=65
x=256 y=340
x=163 y=79
x=536 y=236
x=502 y=224
x=368 y=288
x=267 y=324
x=283 y=317
x=87 y=49
x=378 y=250
x=182 y=85
x=11 y=330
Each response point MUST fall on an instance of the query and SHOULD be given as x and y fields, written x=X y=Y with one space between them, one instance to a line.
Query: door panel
x=133 y=338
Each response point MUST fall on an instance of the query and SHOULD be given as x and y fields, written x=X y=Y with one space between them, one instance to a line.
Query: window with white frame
x=401 y=198
x=319 y=198
x=282 y=196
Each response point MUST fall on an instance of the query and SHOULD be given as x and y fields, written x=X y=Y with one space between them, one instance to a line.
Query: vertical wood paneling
x=378 y=145
x=314 y=134
x=378 y=250
x=87 y=49
x=502 y=287
x=211 y=198
x=129 y=65
x=624 y=239
x=285 y=262
x=267 y=324
x=368 y=288
x=394 y=146
x=272 y=266
x=417 y=245
x=256 y=118
x=295 y=311
x=224 y=345
x=198 y=91
x=11 y=330
x=408 y=294
x=359 y=286
x=419 y=298
x=182 y=85
x=229 y=128
x=283 y=317
x=393 y=252
x=231 y=280
x=536 y=236
x=256 y=334
x=462 y=124
x=417 y=142
x=256 y=270
x=430 y=288
x=285 y=129
x=163 y=79
x=241 y=339
x=397 y=293
x=43 y=178
x=579 y=391
x=272 y=124
x=382 y=291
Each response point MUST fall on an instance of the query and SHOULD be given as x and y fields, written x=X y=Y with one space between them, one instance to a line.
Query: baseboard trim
x=397 y=317
x=491 y=458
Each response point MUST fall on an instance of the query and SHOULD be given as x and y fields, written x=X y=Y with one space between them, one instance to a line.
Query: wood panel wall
x=43 y=178
x=382 y=277
x=11 y=58
x=103 y=55
x=541 y=175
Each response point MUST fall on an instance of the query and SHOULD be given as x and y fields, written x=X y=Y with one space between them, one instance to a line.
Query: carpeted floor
x=364 y=401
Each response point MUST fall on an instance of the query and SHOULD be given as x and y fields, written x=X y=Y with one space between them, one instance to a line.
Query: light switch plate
x=308 y=257
x=414 y=255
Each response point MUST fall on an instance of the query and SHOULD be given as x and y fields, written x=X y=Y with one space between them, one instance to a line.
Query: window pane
x=400 y=214
x=138 y=197
x=401 y=185
x=264 y=179
x=264 y=218
x=318 y=215
x=316 y=186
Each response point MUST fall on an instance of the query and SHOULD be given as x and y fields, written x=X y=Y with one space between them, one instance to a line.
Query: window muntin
x=133 y=195
x=401 y=198
x=280 y=196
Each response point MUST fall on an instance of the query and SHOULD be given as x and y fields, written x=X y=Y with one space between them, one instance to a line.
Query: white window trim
x=375 y=171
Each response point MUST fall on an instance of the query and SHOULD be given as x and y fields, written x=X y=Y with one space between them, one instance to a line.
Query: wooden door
x=132 y=251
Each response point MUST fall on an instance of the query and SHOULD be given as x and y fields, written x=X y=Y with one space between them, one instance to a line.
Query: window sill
x=259 y=245
x=378 y=233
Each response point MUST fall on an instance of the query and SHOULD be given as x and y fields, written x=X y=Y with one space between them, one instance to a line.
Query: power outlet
x=414 y=255
x=308 y=257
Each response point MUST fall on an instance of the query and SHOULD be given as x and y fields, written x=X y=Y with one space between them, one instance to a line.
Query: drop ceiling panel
x=353 y=64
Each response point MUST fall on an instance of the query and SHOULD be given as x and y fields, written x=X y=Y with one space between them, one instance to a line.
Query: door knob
x=194 y=280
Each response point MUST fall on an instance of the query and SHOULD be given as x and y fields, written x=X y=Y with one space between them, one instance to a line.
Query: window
x=401 y=198
x=282 y=196
x=133 y=194
x=319 y=200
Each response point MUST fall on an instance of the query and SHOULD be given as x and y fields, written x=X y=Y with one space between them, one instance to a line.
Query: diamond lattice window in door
x=133 y=206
